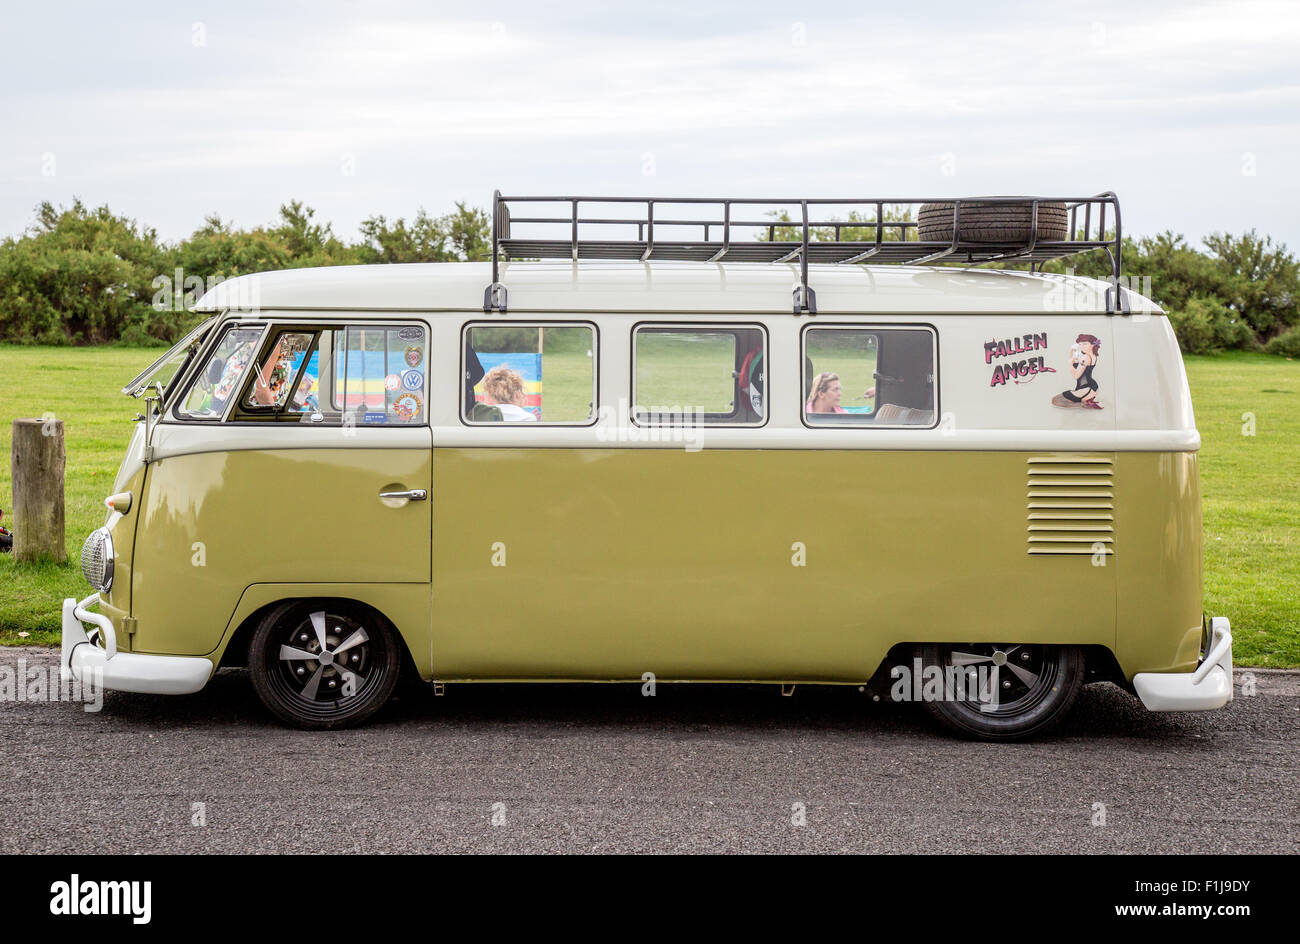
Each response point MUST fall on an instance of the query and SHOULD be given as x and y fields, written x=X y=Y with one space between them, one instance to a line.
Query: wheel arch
x=403 y=607
x=1100 y=664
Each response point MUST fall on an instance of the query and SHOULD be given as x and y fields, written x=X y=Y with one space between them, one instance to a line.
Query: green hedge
x=87 y=276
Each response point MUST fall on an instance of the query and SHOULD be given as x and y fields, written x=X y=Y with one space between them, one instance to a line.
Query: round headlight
x=97 y=559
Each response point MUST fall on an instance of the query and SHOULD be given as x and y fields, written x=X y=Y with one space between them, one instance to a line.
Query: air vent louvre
x=1071 y=507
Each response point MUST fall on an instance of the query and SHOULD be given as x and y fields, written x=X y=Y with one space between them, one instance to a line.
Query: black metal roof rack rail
x=713 y=229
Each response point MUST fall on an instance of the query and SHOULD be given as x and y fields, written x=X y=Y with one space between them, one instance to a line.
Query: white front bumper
x=1210 y=686
x=104 y=666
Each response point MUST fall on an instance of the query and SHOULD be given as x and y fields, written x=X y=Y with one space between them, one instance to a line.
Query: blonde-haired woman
x=504 y=389
x=824 y=397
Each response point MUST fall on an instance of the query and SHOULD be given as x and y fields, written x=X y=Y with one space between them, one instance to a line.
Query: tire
x=992 y=222
x=304 y=690
x=1024 y=707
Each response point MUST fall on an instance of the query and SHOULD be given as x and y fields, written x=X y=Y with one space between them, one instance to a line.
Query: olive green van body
x=605 y=579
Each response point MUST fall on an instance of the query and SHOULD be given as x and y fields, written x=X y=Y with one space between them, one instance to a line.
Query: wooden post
x=38 y=463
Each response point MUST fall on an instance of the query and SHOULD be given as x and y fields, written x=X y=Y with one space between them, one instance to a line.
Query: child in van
x=504 y=389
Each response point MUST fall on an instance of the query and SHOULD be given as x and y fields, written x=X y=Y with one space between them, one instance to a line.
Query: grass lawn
x=81 y=387
x=1250 y=495
x=1250 y=484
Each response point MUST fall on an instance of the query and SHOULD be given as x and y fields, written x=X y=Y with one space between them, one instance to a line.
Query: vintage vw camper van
x=823 y=455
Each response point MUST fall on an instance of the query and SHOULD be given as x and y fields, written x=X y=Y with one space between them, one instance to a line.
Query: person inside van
x=504 y=389
x=270 y=378
x=824 y=397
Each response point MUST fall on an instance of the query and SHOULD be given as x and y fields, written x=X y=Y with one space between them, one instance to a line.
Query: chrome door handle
x=415 y=494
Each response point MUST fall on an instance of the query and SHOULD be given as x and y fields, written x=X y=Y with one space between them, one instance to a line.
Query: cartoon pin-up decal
x=1083 y=358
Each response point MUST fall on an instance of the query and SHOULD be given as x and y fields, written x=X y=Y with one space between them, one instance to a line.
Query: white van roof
x=715 y=288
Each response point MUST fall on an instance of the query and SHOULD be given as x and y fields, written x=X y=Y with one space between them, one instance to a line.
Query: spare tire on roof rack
x=989 y=222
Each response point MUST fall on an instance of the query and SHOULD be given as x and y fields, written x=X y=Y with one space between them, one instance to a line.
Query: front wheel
x=323 y=663
x=1003 y=691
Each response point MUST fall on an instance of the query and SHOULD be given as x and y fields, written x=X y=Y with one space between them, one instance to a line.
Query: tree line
x=82 y=275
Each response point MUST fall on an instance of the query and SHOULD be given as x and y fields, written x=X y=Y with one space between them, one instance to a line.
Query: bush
x=1286 y=344
x=77 y=277
x=1260 y=279
x=1207 y=325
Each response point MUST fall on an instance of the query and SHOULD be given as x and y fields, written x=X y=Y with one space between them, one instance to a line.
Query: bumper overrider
x=99 y=663
x=1206 y=688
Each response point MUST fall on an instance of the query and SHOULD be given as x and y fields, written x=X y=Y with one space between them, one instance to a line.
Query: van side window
x=282 y=385
x=866 y=376
x=537 y=374
x=380 y=375
x=276 y=374
x=353 y=375
x=699 y=375
x=220 y=377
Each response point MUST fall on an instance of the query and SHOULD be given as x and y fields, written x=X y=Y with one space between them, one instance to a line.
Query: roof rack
x=707 y=229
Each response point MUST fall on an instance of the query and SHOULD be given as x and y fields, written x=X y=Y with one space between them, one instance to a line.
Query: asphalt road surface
x=599 y=768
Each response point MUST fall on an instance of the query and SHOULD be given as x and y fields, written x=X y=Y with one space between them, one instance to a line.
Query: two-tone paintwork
x=624 y=553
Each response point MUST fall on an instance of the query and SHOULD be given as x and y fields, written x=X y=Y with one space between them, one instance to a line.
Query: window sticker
x=407 y=407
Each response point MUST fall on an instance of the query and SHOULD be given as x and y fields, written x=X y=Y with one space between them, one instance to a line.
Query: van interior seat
x=894 y=415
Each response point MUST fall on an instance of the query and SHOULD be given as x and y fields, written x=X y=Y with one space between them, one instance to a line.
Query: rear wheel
x=323 y=663
x=1012 y=690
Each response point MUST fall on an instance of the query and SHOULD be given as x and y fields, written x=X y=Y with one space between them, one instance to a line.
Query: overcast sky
x=171 y=111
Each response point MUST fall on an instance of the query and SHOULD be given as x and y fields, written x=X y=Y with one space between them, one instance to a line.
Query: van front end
x=101 y=655
x=93 y=658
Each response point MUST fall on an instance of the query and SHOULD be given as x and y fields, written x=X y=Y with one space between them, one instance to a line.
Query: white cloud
x=1156 y=105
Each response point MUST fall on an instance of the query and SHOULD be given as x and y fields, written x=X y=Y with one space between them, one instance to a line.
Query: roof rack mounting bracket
x=495 y=298
x=1117 y=302
x=805 y=300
